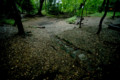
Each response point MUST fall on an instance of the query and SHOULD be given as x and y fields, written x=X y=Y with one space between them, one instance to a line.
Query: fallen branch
x=114 y=27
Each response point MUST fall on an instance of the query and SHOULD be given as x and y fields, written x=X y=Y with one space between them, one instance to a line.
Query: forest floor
x=56 y=50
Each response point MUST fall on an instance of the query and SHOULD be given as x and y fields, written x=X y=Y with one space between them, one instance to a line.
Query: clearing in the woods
x=56 y=50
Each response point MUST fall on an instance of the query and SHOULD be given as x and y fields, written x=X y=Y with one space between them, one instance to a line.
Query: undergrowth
x=71 y=20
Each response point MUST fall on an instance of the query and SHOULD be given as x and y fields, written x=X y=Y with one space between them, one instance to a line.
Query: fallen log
x=114 y=27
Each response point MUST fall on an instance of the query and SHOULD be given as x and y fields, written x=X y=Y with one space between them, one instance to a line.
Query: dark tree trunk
x=40 y=8
x=116 y=6
x=81 y=18
x=1 y=6
x=14 y=12
x=114 y=14
x=17 y=18
x=106 y=10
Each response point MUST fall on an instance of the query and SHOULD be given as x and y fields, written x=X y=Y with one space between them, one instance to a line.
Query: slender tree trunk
x=1 y=6
x=114 y=14
x=17 y=18
x=116 y=5
x=40 y=8
x=101 y=21
x=81 y=18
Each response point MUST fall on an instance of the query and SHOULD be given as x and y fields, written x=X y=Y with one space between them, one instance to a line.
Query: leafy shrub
x=71 y=20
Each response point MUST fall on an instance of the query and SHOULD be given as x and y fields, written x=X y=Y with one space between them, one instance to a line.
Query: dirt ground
x=56 y=50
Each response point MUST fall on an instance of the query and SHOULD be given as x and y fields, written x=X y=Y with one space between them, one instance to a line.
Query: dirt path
x=52 y=25
x=57 y=50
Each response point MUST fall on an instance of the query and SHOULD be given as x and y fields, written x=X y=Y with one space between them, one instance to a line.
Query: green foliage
x=93 y=5
x=109 y=14
x=70 y=5
x=28 y=6
x=71 y=20
x=53 y=7
x=53 y=10
x=45 y=13
x=7 y=21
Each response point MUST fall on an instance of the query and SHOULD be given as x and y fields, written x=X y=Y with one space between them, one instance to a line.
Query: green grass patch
x=109 y=14
x=7 y=21
x=71 y=20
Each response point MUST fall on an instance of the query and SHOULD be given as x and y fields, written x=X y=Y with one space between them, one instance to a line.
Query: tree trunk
x=81 y=18
x=101 y=21
x=114 y=14
x=40 y=8
x=17 y=18
x=1 y=7
x=116 y=5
